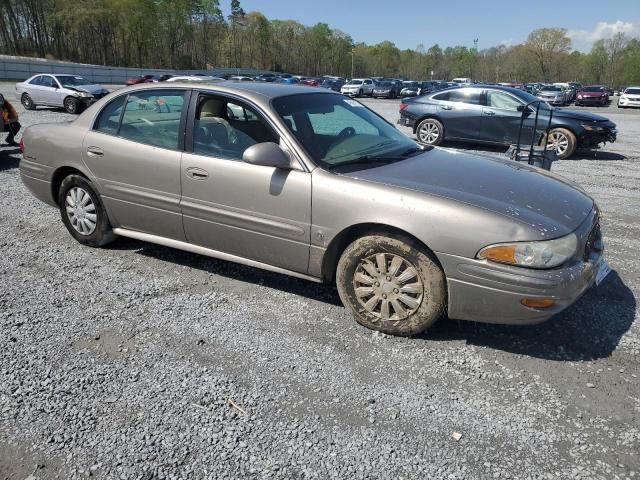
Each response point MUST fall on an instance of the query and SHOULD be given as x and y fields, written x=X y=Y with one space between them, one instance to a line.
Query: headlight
x=580 y=97
x=591 y=128
x=543 y=254
x=84 y=94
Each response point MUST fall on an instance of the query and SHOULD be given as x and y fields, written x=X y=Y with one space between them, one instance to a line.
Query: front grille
x=594 y=242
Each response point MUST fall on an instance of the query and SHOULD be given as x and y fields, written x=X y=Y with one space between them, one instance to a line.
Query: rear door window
x=47 y=81
x=36 y=80
x=502 y=100
x=153 y=118
x=109 y=119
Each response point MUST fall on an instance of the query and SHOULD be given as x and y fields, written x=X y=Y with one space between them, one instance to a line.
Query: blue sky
x=411 y=22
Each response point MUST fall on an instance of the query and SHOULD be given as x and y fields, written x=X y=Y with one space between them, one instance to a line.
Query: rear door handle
x=95 y=152
x=197 y=173
x=489 y=112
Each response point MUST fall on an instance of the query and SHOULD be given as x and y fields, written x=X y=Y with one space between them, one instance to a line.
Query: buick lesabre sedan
x=312 y=184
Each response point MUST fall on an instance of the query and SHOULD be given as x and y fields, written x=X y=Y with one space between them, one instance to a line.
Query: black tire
x=102 y=234
x=71 y=105
x=571 y=142
x=426 y=289
x=27 y=102
x=425 y=130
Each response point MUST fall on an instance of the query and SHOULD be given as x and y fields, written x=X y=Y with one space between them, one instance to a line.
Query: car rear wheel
x=562 y=141
x=71 y=105
x=391 y=284
x=430 y=132
x=83 y=213
x=27 y=102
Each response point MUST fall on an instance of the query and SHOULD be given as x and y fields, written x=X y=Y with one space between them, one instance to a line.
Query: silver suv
x=314 y=185
x=72 y=92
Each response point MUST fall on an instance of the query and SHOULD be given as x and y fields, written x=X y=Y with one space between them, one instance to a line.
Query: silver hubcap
x=429 y=132
x=81 y=211
x=388 y=286
x=558 y=141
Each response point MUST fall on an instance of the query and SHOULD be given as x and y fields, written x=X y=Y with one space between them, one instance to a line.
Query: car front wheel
x=71 y=105
x=391 y=284
x=562 y=141
x=430 y=132
x=83 y=213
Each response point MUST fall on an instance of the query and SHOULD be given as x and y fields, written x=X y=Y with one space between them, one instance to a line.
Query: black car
x=491 y=115
x=334 y=85
x=384 y=89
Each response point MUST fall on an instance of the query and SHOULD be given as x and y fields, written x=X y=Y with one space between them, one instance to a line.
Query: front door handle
x=197 y=173
x=489 y=112
x=447 y=107
x=95 y=152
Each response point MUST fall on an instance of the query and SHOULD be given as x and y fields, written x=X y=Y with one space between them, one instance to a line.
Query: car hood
x=583 y=116
x=92 y=89
x=550 y=205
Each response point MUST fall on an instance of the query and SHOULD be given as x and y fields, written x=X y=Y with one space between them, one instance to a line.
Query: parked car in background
x=165 y=77
x=265 y=77
x=195 y=78
x=334 y=85
x=310 y=184
x=630 y=98
x=593 y=95
x=410 y=89
x=462 y=80
x=241 y=78
x=72 y=92
x=491 y=115
x=290 y=80
x=384 y=89
x=141 y=79
x=552 y=94
x=358 y=87
x=311 y=82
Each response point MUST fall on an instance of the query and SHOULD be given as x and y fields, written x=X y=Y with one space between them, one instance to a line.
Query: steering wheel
x=347 y=132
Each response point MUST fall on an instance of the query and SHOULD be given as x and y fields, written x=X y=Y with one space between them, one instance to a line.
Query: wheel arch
x=419 y=120
x=59 y=175
x=344 y=238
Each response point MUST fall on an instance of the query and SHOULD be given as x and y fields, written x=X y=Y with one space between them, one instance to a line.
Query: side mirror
x=267 y=154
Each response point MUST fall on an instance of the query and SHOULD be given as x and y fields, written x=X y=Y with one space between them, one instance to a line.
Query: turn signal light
x=21 y=145
x=538 y=302
x=403 y=105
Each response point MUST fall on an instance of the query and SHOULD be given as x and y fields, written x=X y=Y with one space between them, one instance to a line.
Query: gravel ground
x=141 y=362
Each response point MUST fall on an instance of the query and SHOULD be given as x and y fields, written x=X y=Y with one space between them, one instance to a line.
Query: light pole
x=353 y=54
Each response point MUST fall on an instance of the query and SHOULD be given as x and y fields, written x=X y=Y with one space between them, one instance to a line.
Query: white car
x=72 y=92
x=358 y=87
x=194 y=78
x=630 y=98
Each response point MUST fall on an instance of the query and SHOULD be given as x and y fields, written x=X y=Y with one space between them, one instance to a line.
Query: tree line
x=195 y=34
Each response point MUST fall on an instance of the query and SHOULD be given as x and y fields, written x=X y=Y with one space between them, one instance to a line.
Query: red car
x=593 y=95
x=310 y=82
x=142 y=79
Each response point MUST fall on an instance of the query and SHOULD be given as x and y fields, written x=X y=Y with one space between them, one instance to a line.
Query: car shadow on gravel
x=588 y=330
x=497 y=151
x=233 y=271
x=596 y=155
x=9 y=157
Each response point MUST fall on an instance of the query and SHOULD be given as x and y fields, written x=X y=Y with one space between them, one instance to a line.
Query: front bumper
x=487 y=292
x=553 y=101
x=350 y=93
x=387 y=94
x=591 y=100
x=628 y=103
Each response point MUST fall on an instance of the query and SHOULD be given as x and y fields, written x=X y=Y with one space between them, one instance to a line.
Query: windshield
x=72 y=80
x=592 y=89
x=410 y=84
x=551 y=88
x=383 y=84
x=632 y=91
x=337 y=131
x=355 y=82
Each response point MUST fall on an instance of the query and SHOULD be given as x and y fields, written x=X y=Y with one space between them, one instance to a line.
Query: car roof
x=264 y=90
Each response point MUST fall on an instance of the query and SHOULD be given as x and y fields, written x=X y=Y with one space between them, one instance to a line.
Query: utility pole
x=353 y=54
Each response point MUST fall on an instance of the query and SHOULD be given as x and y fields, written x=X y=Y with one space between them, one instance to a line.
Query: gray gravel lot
x=138 y=361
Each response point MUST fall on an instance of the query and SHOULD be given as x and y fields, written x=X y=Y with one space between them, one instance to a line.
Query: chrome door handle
x=197 y=173
x=447 y=107
x=489 y=112
x=95 y=152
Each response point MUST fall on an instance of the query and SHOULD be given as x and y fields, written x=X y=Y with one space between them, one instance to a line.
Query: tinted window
x=632 y=91
x=46 y=81
x=461 y=95
x=153 y=118
x=36 y=80
x=502 y=100
x=109 y=119
x=225 y=129
x=593 y=89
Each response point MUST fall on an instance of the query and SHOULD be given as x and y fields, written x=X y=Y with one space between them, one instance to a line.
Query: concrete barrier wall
x=20 y=68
